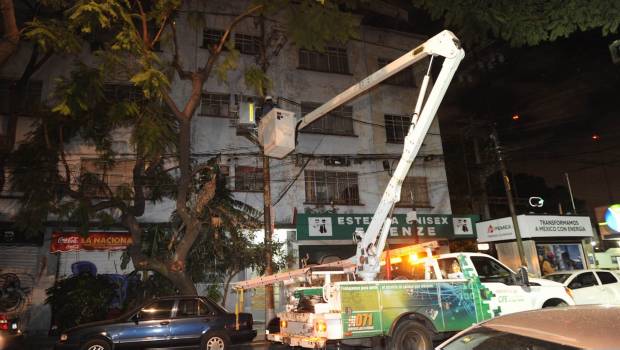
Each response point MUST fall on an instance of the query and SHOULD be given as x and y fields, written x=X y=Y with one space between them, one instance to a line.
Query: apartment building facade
x=328 y=187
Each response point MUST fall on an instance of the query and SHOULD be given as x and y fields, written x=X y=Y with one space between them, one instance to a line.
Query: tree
x=125 y=34
x=527 y=22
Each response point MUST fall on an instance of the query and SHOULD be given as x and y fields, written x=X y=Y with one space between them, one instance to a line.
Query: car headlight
x=64 y=337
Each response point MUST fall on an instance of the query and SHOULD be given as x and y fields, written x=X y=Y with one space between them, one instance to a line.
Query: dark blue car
x=165 y=322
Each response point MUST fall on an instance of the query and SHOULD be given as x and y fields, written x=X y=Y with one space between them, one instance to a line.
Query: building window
x=337 y=122
x=97 y=176
x=332 y=60
x=396 y=128
x=247 y=44
x=414 y=193
x=211 y=37
x=248 y=179
x=406 y=77
x=215 y=105
x=331 y=187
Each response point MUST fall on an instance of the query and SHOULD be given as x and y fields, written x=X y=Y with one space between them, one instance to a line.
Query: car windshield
x=558 y=277
x=482 y=338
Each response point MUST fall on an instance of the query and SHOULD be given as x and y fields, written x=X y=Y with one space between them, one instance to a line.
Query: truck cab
x=512 y=293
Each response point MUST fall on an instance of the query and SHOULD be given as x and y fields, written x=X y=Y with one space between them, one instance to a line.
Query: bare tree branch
x=10 y=40
x=176 y=61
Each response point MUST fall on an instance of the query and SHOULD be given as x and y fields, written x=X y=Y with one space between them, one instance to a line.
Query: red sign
x=73 y=241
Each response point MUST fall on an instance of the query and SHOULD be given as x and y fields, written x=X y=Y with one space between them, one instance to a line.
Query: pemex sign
x=342 y=226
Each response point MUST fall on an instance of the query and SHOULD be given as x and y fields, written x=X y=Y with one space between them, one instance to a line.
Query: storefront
x=322 y=238
x=550 y=243
x=104 y=249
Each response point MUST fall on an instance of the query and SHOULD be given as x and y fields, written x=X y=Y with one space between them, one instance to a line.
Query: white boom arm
x=276 y=134
x=371 y=244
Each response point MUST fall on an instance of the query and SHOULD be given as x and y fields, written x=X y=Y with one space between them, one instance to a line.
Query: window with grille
x=332 y=60
x=406 y=77
x=211 y=37
x=248 y=179
x=331 y=187
x=396 y=128
x=95 y=173
x=414 y=193
x=247 y=44
x=337 y=122
x=215 y=105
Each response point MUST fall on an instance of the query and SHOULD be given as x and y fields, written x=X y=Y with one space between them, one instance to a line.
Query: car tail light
x=4 y=323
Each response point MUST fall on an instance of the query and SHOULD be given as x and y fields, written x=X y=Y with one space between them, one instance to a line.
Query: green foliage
x=526 y=22
x=52 y=36
x=79 y=299
x=229 y=62
x=257 y=80
x=313 y=25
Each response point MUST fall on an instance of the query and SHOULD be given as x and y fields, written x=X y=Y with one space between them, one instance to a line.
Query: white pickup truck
x=428 y=300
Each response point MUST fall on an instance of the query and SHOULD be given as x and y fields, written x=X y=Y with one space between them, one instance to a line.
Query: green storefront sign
x=342 y=226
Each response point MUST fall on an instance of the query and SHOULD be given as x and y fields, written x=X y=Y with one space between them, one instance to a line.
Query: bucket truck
x=441 y=294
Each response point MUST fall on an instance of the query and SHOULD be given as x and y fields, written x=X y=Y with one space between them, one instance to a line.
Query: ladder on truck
x=347 y=265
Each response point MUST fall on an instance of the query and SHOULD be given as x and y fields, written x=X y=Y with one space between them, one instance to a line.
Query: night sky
x=565 y=94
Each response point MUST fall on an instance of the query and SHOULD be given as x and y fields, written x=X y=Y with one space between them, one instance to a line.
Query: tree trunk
x=183 y=282
x=8 y=44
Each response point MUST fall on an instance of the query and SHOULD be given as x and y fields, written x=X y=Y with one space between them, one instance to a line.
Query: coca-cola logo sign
x=68 y=240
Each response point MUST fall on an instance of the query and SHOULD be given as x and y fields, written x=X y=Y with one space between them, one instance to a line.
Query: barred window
x=248 y=179
x=337 y=122
x=247 y=44
x=333 y=60
x=211 y=37
x=406 y=77
x=396 y=128
x=414 y=192
x=95 y=173
x=215 y=105
x=331 y=187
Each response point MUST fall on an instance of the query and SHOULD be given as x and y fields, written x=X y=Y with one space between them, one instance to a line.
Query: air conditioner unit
x=276 y=133
x=337 y=161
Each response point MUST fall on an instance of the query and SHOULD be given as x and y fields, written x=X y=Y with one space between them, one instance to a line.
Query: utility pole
x=570 y=192
x=269 y=299
x=508 y=188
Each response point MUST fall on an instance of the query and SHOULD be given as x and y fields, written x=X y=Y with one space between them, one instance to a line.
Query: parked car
x=590 y=286
x=562 y=328
x=171 y=322
x=11 y=336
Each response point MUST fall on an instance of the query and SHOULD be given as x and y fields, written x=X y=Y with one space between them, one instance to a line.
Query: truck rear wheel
x=410 y=334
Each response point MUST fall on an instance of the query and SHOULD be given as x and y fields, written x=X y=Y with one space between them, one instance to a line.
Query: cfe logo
x=536 y=202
